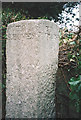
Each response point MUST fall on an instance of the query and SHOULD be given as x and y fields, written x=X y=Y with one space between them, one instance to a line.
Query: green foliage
x=75 y=94
x=71 y=43
x=75 y=82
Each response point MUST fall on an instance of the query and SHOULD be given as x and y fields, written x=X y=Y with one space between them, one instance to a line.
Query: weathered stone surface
x=32 y=61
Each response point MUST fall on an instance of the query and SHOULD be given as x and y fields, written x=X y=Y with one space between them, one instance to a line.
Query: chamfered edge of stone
x=31 y=20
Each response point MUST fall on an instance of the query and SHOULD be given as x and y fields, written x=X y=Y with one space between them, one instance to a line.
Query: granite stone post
x=32 y=60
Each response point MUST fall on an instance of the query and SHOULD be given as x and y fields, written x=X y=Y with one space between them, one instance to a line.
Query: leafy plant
x=75 y=82
x=75 y=94
x=70 y=45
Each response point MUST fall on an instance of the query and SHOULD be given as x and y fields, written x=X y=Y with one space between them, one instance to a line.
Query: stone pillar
x=32 y=60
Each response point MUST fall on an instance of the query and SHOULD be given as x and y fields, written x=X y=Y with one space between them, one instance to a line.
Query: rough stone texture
x=32 y=61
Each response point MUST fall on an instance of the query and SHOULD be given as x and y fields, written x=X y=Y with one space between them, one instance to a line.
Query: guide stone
x=32 y=60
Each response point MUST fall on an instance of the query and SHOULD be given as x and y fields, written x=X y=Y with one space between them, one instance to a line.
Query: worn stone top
x=31 y=20
x=24 y=24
